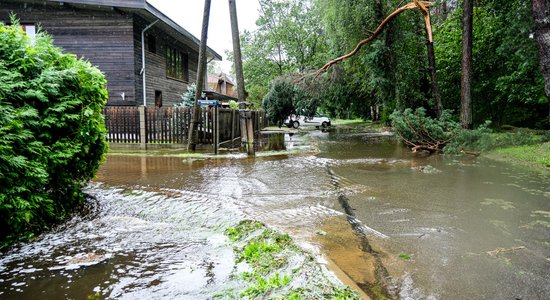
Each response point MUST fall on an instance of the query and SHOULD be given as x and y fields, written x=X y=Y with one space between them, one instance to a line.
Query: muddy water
x=466 y=228
x=420 y=227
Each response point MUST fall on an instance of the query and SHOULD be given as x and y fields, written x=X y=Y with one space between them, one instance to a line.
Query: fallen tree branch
x=503 y=250
x=421 y=5
x=430 y=149
x=469 y=152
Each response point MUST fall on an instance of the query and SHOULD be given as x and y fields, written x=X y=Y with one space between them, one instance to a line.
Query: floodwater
x=383 y=219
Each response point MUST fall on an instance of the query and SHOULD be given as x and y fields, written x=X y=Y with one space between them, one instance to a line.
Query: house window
x=152 y=44
x=29 y=29
x=158 y=98
x=177 y=65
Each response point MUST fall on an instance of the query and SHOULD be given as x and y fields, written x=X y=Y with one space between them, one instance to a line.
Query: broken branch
x=421 y=5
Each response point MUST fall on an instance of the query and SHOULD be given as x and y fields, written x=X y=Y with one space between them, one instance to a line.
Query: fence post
x=244 y=136
x=142 y=131
x=247 y=131
x=233 y=125
x=250 y=134
x=216 y=129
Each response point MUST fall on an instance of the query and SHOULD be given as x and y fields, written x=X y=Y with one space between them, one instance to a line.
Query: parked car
x=295 y=121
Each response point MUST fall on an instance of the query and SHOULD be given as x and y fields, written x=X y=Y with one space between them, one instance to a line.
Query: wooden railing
x=170 y=125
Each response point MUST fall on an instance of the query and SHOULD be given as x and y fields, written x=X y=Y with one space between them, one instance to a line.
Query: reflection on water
x=472 y=228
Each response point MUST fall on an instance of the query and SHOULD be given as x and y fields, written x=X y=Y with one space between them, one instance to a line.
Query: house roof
x=215 y=78
x=217 y=96
x=148 y=12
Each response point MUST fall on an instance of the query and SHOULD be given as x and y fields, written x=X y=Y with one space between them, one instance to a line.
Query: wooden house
x=135 y=45
x=221 y=83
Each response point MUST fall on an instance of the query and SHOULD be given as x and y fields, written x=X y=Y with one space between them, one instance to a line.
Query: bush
x=52 y=133
x=233 y=104
x=279 y=101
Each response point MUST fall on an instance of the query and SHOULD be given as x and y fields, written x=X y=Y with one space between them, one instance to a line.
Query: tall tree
x=193 y=138
x=289 y=39
x=237 y=57
x=247 y=130
x=541 y=16
x=466 y=79
x=506 y=75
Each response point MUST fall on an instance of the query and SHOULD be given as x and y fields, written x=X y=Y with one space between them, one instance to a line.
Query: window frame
x=177 y=64
x=151 y=43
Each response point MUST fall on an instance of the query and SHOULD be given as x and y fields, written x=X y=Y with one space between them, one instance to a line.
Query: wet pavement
x=422 y=227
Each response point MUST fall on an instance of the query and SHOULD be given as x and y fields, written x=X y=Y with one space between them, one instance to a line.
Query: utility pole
x=247 y=131
x=193 y=138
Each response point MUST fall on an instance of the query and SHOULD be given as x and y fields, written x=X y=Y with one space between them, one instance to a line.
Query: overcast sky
x=188 y=14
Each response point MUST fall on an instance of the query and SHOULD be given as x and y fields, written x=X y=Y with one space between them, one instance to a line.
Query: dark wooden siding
x=104 y=36
x=156 y=79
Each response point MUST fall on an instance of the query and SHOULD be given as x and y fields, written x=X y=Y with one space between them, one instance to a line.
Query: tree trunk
x=193 y=138
x=542 y=35
x=247 y=132
x=237 y=53
x=435 y=86
x=465 y=84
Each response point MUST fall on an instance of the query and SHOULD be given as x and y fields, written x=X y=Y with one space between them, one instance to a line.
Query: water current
x=423 y=227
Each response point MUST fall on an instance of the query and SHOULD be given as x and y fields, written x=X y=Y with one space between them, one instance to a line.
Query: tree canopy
x=392 y=72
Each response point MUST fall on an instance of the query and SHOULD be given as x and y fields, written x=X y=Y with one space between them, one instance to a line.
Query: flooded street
x=423 y=227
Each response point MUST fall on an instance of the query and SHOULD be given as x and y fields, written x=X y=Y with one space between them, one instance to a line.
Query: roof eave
x=146 y=6
x=158 y=14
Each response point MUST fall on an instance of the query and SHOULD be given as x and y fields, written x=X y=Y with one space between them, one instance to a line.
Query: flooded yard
x=384 y=220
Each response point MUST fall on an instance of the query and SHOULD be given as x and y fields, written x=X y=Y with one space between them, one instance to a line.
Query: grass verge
x=536 y=155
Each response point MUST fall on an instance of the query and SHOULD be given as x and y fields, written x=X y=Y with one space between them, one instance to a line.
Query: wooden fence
x=167 y=125
x=170 y=125
x=122 y=123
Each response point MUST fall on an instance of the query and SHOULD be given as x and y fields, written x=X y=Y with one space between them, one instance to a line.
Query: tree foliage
x=52 y=133
x=507 y=86
x=392 y=72
x=289 y=39
x=287 y=96
x=279 y=101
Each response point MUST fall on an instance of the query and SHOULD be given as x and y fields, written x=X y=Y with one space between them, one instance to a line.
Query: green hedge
x=52 y=133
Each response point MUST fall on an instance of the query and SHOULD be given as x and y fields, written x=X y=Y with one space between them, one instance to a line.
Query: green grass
x=267 y=253
x=346 y=122
x=405 y=256
x=537 y=155
x=242 y=230
x=263 y=285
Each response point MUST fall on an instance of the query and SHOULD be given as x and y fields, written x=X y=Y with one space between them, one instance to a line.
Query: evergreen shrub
x=188 y=97
x=52 y=132
x=279 y=101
